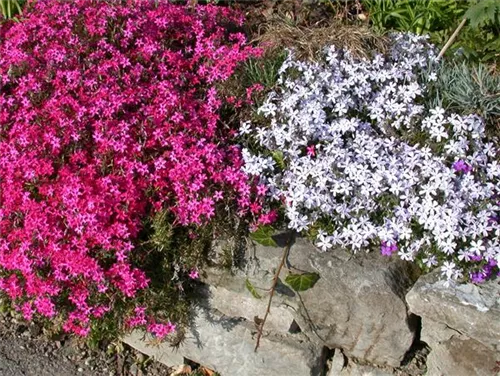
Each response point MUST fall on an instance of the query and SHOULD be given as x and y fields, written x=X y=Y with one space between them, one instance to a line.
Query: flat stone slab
x=226 y=345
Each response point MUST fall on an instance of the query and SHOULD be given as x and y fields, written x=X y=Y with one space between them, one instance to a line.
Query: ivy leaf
x=302 y=282
x=252 y=290
x=263 y=236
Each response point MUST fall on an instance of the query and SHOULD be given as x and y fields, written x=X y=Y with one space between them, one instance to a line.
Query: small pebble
x=133 y=369
x=80 y=369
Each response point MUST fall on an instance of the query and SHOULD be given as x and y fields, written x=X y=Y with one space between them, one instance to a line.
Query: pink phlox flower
x=311 y=150
x=193 y=273
x=161 y=330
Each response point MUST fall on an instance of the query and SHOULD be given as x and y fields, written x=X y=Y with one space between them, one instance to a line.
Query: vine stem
x=452 y=38
x=273 y=288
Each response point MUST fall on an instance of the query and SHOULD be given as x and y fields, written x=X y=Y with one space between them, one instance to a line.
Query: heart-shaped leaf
x=301 y=282
x=252 y=290
x=263 y=236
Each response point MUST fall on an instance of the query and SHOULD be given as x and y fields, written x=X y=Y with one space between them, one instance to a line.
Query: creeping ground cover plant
x=348 y=147
x=109 y=115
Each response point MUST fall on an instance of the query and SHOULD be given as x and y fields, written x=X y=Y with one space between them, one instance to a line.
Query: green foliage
x=252 y=289
x=278 y=157
x=104 y=331
x=263 y=236
x=483 y=13
x=479 y=40
x=5 y=305
x=468 y=88
x=264 y=71
x=162 y=230
x=11 y=8
x=167 y=253
x=482 y=39
x=417 y=16
x=302 y=282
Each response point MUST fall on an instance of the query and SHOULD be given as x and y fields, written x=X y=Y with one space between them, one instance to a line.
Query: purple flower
x=487 y=272
x=461 y=166
x=387 y=248
x=476 y=257
x=493 y=219
x=477 y=277
x=489 y=268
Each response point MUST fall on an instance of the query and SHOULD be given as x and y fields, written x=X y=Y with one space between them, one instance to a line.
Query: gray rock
x=461 y=356
x=357 y=304
x=140 y=358
x=233 y=299
x=467 y=308
x=460 y=323
x=337 y=364
x=226 y=344
x=162 y=353
x=341 y=366
x=133 y=370
x=354 y=369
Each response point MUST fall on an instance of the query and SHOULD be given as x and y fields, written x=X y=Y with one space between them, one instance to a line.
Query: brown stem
x=452 y=38
x=273 y=288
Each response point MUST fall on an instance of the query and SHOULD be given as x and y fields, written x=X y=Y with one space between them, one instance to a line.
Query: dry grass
x=308 y=41
x=276 y=26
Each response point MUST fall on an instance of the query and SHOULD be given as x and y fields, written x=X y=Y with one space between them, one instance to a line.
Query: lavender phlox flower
x=433 y=200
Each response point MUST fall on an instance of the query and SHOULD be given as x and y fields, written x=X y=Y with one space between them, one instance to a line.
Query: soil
x=26 y=351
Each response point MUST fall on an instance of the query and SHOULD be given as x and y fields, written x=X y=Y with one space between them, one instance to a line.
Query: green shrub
x=481 y=40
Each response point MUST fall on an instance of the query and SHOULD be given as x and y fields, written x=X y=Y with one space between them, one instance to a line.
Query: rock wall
x=461 y=324
x=360 y=318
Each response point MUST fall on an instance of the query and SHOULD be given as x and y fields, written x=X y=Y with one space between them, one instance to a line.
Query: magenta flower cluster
x=109 y=113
